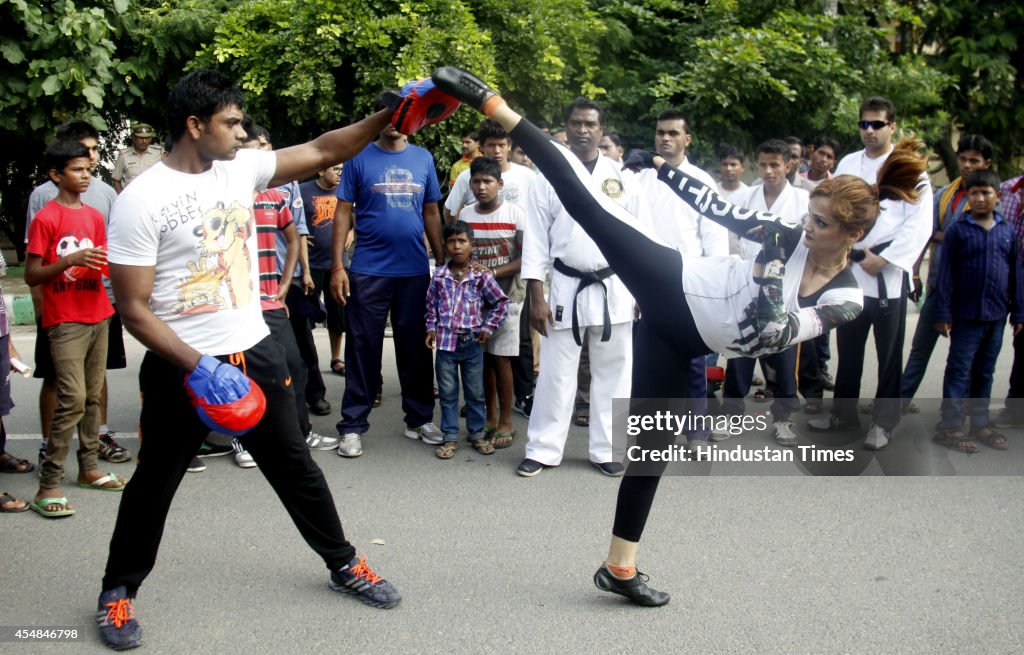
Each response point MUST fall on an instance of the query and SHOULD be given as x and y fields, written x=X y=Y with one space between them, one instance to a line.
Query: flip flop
x=39 y=507
x=99 y=482
x=8 y=498
x=11 y=464
x=502 y=435
x=336 y=369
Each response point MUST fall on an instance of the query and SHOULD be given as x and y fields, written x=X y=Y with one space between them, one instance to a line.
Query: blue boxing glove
x=419 y=103
x=225 y=398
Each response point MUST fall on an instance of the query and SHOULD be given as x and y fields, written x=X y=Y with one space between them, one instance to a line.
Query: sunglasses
x=875 y=125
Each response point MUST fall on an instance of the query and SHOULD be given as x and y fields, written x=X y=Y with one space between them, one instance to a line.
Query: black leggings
x=653 y=274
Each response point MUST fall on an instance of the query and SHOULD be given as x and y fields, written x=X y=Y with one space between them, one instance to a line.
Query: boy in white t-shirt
x=498 y=245
x=183 y=262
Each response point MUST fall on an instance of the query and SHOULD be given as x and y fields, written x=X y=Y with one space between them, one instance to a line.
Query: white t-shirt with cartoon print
x=198 y=232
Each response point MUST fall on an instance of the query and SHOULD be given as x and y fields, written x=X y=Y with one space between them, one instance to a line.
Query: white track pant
x=611 y=365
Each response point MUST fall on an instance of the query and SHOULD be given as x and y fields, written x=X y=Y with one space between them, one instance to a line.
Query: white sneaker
x=428 y=432
x=717 y=434
x=317 y=441
x=877 y=439
x=351 y=445
x=242 y=456
x=784 y=435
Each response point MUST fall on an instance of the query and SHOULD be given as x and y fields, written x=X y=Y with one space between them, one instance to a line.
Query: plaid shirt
x=1009 y=207
x=456 y=306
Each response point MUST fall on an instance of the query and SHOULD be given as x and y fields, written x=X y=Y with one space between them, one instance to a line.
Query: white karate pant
x=611 y=366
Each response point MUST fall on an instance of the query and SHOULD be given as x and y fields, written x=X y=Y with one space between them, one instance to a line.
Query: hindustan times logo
x=663 y=420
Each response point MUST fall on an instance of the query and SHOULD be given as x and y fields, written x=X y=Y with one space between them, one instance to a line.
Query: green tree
x=753 y=70
x=59 y=62
x=977 y=43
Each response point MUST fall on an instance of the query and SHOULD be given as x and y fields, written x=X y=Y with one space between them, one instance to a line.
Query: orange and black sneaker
x=358 y=578
x=116 y=618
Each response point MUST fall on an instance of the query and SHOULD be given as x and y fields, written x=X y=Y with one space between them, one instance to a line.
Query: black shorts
x=335 y=310
x=115 y=349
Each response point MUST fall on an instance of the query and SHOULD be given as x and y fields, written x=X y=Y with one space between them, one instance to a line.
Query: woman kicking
x=797 y=289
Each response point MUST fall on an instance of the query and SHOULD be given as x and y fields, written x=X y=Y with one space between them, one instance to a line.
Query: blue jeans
x=925 y=338
x=973 y=350
x=469 y=357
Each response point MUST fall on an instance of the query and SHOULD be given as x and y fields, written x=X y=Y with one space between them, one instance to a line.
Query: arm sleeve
x=457 y=197
x=118 y=173
x=38 y=238
x=536 y=238
x=915 y=232
x=835 y=307
x=284 y=215
x=498 y=302
x=432 y=192
x=133 y=236
x=943 y=312
x=709 y=204
x=1016 y=283
x=431 y=315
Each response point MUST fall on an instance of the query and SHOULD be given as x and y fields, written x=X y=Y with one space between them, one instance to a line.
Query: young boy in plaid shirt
x=459 y=295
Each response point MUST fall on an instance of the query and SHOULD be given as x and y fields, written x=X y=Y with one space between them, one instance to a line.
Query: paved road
x=489 y=562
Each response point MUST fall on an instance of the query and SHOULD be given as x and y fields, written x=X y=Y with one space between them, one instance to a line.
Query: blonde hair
x=855 y=202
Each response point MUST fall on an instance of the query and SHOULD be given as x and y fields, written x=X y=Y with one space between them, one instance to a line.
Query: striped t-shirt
x=271 y=212
x=497 y=240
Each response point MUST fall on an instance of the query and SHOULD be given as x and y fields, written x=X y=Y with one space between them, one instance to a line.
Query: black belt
x=587 y=278
x=883 y=296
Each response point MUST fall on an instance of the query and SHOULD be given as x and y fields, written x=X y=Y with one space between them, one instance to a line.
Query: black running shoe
x=635 y=589
x=116 y=619
x=463 y=85
x=358 y=579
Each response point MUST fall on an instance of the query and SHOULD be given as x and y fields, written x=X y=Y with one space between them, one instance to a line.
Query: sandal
x=8 y=498
x=955 y=440
x=11 y=464
x=483 y=446
x=764 y=395
x=101 y=483
x=39 y=506
x=990 y=438
x=814 y=407
x=911 y=408
x=582 y=417
x=338 y=367
x=502 y=439
x=447 y=450
x=379 y=399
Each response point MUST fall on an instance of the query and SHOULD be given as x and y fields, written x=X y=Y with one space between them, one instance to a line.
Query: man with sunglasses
x=889 y=251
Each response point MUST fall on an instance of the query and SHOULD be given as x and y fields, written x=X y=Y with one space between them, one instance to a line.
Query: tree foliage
x=743 y=70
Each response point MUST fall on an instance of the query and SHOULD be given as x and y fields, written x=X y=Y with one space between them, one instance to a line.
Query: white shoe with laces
x=428 y=432
x=242 y=456
x=784 y=435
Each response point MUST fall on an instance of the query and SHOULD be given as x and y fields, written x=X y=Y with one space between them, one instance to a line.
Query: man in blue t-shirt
x=393 y=186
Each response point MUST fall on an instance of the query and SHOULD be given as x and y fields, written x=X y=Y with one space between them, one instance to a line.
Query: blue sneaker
x=116 y=618
x=358 y=579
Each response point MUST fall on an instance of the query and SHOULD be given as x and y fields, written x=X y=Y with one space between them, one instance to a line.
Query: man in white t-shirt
x=681 y=227
x=183 y=261
x=889 y=251
x=495 y=143
x=585 y=298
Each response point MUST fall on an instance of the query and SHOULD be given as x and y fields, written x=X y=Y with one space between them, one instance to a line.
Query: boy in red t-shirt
x=66 y=254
